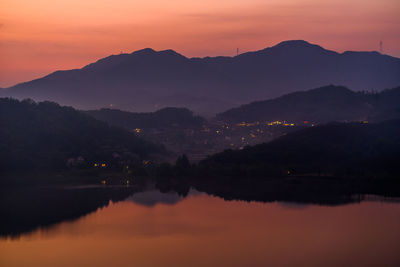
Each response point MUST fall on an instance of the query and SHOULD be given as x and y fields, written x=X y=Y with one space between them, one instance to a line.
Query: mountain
x=163 y=118
x=320 y=105
x=147 y=80
x=47 y=136
x=338 y=149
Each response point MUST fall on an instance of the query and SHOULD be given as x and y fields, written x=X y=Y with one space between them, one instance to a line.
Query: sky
x=38 y=37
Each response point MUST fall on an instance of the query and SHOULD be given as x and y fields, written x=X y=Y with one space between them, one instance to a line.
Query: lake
x=151 y=228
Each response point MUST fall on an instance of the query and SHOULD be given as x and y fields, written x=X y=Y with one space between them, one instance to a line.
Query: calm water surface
x=155 y=229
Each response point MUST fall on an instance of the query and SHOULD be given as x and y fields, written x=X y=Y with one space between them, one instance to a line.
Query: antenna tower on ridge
x=381 y=47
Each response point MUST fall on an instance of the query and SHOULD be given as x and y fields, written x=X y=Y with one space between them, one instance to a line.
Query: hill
x=147 y=80
x=48 y=136
x=320 y=105
x=337 y=149
x=163 y=118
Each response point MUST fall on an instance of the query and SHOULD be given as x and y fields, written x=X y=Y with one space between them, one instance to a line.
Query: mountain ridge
x=148 y=51
x=320 y=105
x=145 y=80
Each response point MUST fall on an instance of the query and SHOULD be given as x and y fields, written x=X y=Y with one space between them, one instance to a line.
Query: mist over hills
x=321 y=105
x=147 y=80
x=163 y=118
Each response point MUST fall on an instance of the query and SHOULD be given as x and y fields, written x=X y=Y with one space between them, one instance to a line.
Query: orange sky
x=40 y=36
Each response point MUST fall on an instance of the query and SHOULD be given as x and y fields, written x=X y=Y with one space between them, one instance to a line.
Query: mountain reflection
x=27 y=209
x=153 y=197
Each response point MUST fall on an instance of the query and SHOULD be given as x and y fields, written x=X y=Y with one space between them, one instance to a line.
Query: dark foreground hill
x=147 y=80
x=47 y=136
x=336 y=149
x=163 y=118
x=321 y=105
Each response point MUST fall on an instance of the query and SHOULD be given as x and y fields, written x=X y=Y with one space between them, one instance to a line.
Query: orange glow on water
x=38 y=37
x=207 y=231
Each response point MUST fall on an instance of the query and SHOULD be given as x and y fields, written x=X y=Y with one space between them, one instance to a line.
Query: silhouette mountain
x=320 y=105
x=338 y=149
x=47 y=136
x=147 y=80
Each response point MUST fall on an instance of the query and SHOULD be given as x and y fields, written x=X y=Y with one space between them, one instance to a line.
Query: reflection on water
x=25 y=209
x=153 y=197
x=165 y=229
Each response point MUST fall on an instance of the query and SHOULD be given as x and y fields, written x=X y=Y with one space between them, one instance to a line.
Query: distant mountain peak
x=114 y=60
x=151 y=52
x=148 y=79
x=145 y=51
x=294 y=43
x=297 y=44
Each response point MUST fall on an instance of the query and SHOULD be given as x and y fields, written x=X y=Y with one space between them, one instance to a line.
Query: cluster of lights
x=250 y=124
x=272 y=123
x=284 y=123
x=103 y=165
